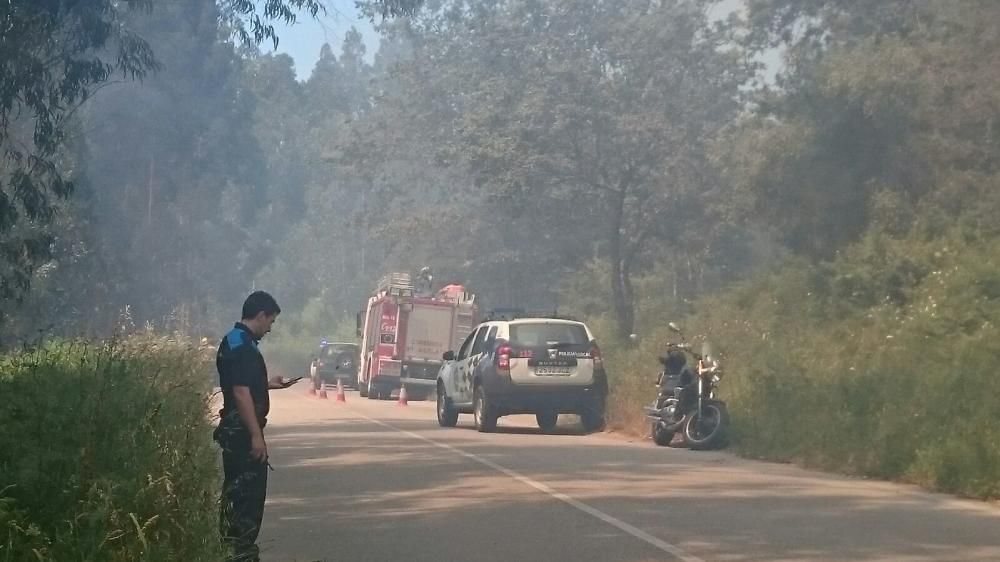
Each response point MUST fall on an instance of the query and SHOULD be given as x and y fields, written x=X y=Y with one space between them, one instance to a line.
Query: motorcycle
x=690 y=406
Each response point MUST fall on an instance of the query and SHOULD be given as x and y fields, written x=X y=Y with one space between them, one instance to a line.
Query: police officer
x=245 y=384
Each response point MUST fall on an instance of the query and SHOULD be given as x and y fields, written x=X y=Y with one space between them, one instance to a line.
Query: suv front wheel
x=483 y=412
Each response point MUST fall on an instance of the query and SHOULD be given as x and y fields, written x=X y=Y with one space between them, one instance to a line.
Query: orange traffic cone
x=340 y=391
x=402 y=396
x=322 y=391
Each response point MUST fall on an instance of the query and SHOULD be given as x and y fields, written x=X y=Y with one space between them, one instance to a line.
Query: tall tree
x=879 y=102
x=176 y=186
x=54 y=54
x=576 y=115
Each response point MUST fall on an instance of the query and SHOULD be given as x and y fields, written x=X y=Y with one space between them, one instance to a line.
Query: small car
x=335 y=360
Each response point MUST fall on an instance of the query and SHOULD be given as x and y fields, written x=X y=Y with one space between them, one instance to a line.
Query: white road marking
x=621 y=525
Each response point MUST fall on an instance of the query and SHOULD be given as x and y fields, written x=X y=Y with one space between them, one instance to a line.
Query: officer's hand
x=258 y=449
x=279 y=382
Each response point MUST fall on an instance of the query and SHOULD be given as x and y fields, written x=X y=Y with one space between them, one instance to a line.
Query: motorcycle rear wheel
x=661 y=435
x=708 y=432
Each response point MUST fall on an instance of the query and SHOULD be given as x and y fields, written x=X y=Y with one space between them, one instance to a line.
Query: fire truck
x=404 y=334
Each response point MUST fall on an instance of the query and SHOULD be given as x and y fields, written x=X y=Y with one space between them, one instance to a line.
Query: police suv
x=542 y=366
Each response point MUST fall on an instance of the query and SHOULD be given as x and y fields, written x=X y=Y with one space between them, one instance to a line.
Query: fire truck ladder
x=464 y=323
x=396 y=284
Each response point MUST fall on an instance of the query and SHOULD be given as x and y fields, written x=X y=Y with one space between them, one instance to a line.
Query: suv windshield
x=542 y=334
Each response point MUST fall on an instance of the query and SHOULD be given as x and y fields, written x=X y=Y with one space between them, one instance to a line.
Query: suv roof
x=508 y=325
x=512 y=314
x=540 y=319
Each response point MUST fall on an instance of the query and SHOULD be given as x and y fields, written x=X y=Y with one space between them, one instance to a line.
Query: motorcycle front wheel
x=661 y=436
x=707 y=431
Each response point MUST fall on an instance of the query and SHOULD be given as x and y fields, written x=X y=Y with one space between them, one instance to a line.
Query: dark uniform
x=242 y=507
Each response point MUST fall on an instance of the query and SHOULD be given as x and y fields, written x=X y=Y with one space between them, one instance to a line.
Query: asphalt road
x=372 y=481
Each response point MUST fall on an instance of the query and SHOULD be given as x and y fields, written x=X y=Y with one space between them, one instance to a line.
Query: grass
x=106 y=454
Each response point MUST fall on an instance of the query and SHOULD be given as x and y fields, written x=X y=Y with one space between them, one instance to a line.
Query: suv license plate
x=552 y=371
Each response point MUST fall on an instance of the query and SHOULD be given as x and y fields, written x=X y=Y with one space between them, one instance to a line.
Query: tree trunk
x=621 y=283
x=149 y=199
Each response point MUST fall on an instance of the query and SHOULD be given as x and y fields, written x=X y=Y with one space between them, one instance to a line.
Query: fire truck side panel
x=427 y=333
x=429 y=327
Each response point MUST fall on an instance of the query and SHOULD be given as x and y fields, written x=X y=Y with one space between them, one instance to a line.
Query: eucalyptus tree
x=55 y=55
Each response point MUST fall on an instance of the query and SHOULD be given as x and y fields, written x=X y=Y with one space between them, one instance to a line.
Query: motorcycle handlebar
x=685 y=347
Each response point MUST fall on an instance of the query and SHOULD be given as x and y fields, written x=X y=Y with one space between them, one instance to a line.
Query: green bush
x=881 y=363
x=106 y=453
x=900 y=387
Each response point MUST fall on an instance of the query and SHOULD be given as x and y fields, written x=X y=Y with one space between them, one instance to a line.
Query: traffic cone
x=402 y=396
x=340 y=391
x=322 y=391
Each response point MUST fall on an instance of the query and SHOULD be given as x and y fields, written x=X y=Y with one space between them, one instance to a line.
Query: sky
x=303 y=40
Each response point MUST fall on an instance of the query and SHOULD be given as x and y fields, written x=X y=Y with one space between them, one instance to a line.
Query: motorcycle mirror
x=674 y=327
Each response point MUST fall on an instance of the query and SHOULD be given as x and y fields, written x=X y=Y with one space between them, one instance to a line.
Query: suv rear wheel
x=483 y=412
x=446 y=413
x=547 y=421
x=593 y=416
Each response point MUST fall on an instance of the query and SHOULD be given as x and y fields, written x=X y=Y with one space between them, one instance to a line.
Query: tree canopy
x=525 y=148
x=54 y=55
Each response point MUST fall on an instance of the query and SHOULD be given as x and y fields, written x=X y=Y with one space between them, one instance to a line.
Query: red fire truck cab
x=404 y=335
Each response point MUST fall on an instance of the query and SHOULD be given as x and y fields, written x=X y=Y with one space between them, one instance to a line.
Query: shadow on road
x=372 y=492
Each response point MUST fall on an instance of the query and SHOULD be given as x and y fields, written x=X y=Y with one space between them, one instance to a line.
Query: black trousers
x=243 y=493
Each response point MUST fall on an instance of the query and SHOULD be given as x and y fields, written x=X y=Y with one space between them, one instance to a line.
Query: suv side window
x=477 y=347
x=491 y=340
x=463 y=352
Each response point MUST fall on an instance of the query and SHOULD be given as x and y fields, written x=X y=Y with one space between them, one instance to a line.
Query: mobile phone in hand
x=290 y=382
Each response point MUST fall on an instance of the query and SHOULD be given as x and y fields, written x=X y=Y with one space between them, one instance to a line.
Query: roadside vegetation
x=823 y=370
x=885 y=389
x=106 y=453
x=867 y=343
